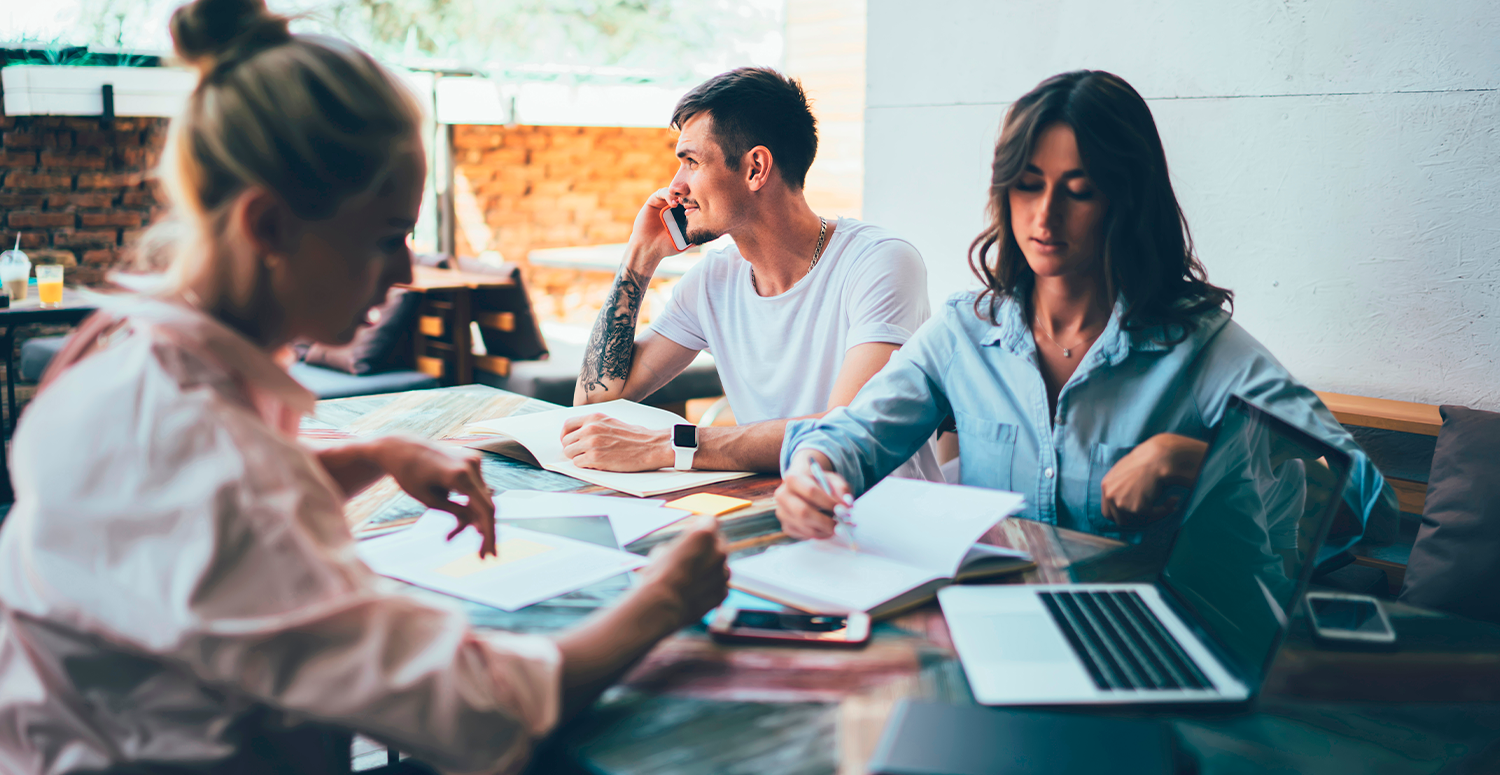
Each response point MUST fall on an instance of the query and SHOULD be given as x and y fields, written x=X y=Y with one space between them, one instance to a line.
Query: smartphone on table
x=675 y=219
x=740 y=624
x=1342 y=618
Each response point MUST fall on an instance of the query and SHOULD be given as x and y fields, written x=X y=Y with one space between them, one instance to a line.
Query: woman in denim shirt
x=1089 y=371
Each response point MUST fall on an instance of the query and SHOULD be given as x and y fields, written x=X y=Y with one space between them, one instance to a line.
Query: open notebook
x=537 y=439
x=913 y=538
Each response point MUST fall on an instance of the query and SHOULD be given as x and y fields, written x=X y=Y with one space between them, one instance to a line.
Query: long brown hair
x=1148 y=251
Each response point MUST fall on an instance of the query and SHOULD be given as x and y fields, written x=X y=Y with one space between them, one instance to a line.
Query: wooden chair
x=1403 y=417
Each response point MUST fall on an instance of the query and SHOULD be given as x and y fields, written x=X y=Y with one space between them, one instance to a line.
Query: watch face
x=685 y=436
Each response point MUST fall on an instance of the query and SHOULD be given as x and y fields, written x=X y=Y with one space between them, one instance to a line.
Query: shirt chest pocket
x=987 y=449
x=1101 y=460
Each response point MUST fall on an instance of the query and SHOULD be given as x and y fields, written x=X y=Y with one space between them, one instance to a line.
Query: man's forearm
x=606 y=362
x=755 y=447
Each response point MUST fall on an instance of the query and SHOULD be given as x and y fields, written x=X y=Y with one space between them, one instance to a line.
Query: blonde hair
x=311 y=119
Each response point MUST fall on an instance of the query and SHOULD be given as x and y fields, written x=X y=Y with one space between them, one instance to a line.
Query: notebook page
x=530 y=567
x=822 y=576
x=926 y=525
x=541 y=434
x=631 y=519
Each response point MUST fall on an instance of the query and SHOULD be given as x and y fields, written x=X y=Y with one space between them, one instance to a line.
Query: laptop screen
x=1264 y=499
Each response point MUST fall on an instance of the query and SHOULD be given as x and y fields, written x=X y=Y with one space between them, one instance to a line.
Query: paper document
x=631 y=519
x=910 y=534
x=529 y=567
x=537 y=439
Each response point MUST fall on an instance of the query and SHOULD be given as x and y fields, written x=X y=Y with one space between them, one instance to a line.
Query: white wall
x=1338 y=161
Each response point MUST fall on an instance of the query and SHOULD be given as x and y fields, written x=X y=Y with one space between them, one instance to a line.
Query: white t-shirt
x=778 y=356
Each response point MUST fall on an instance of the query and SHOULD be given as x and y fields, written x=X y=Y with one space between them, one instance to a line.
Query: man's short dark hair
x=756 y=106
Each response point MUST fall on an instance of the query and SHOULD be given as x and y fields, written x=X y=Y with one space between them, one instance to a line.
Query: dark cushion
x=327 y=383
x=1455 y=563
x=37 y=353
x=376 y=347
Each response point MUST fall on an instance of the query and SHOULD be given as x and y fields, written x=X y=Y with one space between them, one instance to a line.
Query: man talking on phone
x=799 y=313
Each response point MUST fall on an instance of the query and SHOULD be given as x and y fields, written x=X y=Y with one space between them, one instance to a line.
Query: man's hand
x=1133 y=490
x=804 y=508
x=601 y=442
x=431 y=472
x=649 y=240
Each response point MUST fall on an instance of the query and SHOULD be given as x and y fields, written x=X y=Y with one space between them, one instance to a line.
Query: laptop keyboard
x=1121 y=642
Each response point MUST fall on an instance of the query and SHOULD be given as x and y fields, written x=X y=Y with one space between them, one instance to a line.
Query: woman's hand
x=1133 y=490
x=804 y=508
x=431 y=472
x=691 y=573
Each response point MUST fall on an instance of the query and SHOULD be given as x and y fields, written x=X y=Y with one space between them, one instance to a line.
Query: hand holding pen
x=841 y=511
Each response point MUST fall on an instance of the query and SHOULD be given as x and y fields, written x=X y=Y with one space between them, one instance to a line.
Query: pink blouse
x=176 y=563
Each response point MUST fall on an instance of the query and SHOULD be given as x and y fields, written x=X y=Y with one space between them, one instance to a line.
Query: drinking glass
x=49 y=285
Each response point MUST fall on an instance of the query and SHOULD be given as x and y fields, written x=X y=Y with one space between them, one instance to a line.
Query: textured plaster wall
x=1338 y=161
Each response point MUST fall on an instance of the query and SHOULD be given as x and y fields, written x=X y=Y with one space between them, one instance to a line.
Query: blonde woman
x=178 y=590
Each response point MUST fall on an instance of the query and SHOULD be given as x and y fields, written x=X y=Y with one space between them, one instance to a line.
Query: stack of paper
x=631 y=519
x=537 y=439
x=529 y=567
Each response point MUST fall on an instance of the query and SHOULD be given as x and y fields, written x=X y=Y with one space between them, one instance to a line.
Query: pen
x=840 y=511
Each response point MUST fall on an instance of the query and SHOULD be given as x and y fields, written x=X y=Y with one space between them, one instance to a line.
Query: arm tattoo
x=612 y=343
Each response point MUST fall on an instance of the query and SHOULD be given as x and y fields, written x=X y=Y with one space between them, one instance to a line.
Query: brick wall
x=76 y=193
x=526 y=187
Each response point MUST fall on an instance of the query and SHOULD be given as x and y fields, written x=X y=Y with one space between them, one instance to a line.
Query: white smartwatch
x=684 y=444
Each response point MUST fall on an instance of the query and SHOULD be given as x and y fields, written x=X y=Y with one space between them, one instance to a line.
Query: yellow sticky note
x=708 y=503
x=507 y=551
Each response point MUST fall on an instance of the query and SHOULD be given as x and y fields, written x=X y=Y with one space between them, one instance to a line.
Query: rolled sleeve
x=1238 y=365
x=275 y=610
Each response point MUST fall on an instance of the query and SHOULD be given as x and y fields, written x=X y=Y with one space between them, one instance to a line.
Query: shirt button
x=1048 y=473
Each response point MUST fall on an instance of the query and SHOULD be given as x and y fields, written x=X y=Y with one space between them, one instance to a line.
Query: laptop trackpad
x=1018 y=658
x=1016 y=638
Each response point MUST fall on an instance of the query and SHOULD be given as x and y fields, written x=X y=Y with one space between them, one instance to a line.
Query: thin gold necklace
x=1067 y=351
x=817 y=254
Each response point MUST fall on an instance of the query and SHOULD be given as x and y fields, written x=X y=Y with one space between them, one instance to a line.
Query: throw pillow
x=1455 y=563
x=376 y=347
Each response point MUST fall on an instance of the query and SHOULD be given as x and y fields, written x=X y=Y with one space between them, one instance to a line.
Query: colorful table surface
x=696 y=706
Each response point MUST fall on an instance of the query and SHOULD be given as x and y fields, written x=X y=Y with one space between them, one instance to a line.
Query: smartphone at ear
x=675 y=219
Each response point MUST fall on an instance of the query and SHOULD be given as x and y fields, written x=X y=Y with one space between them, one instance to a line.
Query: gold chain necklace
x=817 y=254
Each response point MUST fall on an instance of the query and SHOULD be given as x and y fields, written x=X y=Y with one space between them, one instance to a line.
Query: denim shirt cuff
x=807 y=434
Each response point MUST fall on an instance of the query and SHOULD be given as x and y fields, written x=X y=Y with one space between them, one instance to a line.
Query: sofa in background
x=377 y=361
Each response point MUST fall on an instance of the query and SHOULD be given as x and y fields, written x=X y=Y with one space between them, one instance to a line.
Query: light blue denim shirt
x=1128 y=387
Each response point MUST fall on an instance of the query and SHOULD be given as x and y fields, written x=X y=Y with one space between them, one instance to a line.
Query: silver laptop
x=1208 y=628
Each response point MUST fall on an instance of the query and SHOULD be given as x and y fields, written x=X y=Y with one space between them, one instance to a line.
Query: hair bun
x=210 y=34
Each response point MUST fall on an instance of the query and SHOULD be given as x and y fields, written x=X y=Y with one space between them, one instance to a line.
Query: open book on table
x=910 y=539
x=537 y=439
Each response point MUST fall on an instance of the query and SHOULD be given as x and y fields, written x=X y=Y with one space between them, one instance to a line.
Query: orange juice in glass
x=49 y=285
